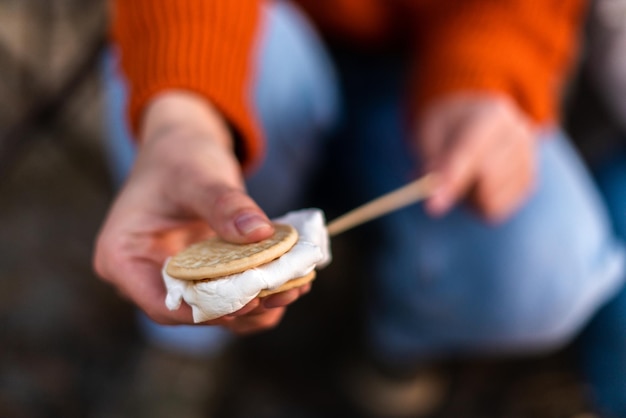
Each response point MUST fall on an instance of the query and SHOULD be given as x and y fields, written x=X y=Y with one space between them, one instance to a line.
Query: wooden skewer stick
x=411 y=193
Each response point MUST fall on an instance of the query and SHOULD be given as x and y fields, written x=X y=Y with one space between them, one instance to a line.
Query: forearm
x=184 y=113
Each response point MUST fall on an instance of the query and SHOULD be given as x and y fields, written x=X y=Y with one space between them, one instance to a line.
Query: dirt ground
x=70 y=346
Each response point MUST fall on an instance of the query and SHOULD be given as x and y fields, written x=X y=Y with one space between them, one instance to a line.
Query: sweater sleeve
x=522 y=48
x=196 y=45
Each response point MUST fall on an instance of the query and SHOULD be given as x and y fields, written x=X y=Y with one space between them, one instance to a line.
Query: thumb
x=232 y=214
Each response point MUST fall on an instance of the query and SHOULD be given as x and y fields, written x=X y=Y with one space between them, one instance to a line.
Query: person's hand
x=186 y=185
x=480 y=147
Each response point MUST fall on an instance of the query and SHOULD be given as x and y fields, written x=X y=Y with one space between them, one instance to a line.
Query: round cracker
x=214 y=257
x=291 y=284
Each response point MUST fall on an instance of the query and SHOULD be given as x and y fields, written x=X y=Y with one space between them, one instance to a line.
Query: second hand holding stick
x=411 y=193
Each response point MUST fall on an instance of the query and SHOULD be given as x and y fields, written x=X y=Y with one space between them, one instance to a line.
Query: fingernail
x=249 y=222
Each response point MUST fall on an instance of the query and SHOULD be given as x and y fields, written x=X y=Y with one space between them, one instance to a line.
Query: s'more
x=216 y=277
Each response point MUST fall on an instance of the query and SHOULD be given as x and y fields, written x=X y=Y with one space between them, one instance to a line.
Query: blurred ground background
x=70 y=347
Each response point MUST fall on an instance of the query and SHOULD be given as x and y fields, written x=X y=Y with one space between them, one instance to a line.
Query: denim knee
x=297 y=100
x=489 y=310
x=545 y=313
x=459 y=285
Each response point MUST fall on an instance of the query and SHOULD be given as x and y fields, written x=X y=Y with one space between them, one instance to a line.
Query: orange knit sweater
x=519 y=47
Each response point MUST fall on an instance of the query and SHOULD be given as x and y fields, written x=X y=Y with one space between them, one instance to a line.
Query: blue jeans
x=603 y=344
x=440 y=287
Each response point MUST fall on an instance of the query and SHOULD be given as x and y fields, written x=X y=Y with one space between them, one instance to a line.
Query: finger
x=305 y=289
x=259 y=309
x=141 y=281
x=116 y=261
x=457 y=169
x=505 y=203
x=256 y=323
x=281 y=299
x=497 y=197
x=249 y=307
x=506 y=178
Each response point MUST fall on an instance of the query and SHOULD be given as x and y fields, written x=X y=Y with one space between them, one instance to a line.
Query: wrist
x=176 y=112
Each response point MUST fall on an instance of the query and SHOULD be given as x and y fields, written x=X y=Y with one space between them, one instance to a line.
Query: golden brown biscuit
x=291 y=284
x=215 y=258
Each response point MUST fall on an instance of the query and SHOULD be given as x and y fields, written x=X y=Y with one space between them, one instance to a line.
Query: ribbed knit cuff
x=202 y=46
x=516 y=47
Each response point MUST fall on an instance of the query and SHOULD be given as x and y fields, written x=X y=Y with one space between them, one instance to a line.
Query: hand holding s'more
x=217 y=278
